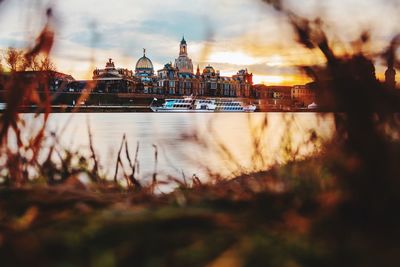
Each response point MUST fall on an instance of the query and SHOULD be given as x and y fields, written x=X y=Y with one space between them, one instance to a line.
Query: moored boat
x=233 y=106
x=187 y=104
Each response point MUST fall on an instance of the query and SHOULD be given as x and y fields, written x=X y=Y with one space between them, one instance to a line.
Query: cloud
x=228 y=34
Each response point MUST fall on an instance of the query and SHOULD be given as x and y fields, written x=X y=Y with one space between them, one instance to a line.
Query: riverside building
x=176 y=79
x=114 y=80
x=179 y=79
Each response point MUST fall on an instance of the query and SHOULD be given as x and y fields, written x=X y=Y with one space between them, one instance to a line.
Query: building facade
x=114 y=80
x=179 y=79
x=176 y=79
x=304 y=95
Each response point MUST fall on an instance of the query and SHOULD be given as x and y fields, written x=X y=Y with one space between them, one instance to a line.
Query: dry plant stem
x=119 y=161
x=95 y=171
x=184 y=179
x=154 y=181
x=133 y=181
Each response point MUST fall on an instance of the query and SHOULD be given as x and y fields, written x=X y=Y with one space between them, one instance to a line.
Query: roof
x=183 y=40
x=185 y=75
x=144 y=63
x=208 y=69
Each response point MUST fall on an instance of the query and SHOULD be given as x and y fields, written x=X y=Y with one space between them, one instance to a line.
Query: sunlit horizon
x=248 y=36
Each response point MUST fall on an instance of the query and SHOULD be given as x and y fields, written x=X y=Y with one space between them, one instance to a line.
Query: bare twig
x=132 y=179
x=119 y=158
x=95 y=171
x=154 y=181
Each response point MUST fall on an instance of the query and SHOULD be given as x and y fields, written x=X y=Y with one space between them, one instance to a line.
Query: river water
x=193 y=143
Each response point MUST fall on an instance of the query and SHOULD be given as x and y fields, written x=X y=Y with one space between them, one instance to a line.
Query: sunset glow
x=248 y=36
x=286 y=80
x=234 y=58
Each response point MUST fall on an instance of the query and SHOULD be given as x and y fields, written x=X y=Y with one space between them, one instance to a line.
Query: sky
x=228 y=34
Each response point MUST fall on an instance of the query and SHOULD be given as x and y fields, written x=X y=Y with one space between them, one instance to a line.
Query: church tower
x=183 y=47
x=183 y=63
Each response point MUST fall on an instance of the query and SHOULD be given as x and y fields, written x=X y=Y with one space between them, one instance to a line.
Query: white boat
x=233 y=106
x=3 y=106
x=249 y=108
x=187 y=104
x=312 y=106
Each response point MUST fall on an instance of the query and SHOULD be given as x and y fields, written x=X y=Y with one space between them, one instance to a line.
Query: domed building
x=183 y=63
x=144 y=66
x=180 y=80
x=209 y=71
x=144 y=71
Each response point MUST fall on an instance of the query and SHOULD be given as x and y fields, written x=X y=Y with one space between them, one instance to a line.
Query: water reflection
x=194 y=143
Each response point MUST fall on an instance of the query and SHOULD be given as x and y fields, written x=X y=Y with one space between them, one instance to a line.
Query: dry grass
x=336 y=208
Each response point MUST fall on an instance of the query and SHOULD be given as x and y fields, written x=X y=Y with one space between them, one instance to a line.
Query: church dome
x=144 y=63
x=144 y=66
x=208 y=70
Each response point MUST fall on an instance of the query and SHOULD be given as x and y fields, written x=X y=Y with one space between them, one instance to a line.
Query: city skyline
x=229 y=35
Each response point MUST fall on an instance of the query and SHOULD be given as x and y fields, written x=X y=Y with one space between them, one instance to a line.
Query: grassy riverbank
x=243 y=222
x=293 y=215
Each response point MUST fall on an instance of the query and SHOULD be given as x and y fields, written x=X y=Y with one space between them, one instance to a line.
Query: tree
x=47 y=65
x=30 y=64
x=13 y=58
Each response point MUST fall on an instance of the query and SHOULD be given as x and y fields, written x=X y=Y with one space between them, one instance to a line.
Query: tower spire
x=144 y=52
x=183 y=40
